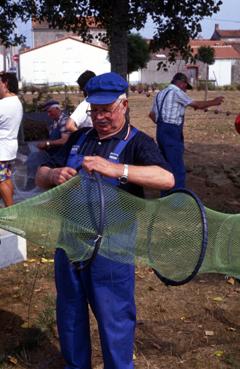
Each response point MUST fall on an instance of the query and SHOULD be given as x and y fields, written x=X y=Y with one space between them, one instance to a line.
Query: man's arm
x=52 y=143
x=71 y=125
x=206 y=104
x=152 y=176
x=152 y=116
x=49 y=177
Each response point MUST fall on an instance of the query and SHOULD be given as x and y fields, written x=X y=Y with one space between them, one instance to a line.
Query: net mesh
x=166 y=234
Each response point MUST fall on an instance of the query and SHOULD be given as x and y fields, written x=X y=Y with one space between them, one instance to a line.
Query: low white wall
x=13 y=249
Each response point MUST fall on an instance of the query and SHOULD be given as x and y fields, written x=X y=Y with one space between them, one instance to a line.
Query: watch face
x=123 y=180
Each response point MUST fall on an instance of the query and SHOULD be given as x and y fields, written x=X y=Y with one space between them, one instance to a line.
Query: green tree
x=206 y=55
x=138 y=52
x=175 y=21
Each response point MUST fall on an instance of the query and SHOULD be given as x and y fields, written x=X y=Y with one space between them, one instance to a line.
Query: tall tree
x=10 y=11
x=206 y=55
x=175 y=21
x=138 y=52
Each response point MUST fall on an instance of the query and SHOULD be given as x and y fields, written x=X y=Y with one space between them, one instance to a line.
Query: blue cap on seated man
x=51 y=104
x=105 y=88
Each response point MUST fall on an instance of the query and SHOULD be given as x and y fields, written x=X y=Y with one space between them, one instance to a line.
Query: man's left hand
x=102 y=166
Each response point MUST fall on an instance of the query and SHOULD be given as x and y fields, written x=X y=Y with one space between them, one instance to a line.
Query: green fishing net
x=174 y=235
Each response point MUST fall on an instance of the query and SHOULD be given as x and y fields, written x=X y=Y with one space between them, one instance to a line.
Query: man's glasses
x=106 y=112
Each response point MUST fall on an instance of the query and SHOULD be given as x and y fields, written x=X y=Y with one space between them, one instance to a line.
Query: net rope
x=165 y=234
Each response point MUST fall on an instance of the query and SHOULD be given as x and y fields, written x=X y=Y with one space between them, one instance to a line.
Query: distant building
x=62 y=61
x=42 y=34
x=226 y=68
x=7 y=58
x=226 y=35
x=224 y=71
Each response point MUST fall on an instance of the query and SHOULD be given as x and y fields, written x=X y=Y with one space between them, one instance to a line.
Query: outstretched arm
x=206 y=104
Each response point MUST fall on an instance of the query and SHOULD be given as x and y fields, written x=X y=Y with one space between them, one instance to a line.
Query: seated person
x=79 y=118
x=58 y=135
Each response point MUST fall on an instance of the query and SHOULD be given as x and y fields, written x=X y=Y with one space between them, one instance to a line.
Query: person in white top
x=79 y=117
x=11 y=113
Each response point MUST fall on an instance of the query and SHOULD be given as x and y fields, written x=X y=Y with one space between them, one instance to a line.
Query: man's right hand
x=58 y=176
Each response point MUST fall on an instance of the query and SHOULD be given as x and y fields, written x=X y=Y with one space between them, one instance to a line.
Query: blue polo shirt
x=141 y=150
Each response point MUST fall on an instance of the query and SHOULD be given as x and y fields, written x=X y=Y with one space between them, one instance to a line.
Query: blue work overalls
x=108 y=287
x=171 y=142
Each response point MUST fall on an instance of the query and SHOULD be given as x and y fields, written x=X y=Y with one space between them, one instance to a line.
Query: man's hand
x=42 y=145
x=61 y=175
x=102 y=166
x=218 y=100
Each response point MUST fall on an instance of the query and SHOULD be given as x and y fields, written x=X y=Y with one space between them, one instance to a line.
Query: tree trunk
x=118 y=38
x=206 y=83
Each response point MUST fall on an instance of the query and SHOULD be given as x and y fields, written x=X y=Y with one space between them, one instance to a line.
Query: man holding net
x=127 y=158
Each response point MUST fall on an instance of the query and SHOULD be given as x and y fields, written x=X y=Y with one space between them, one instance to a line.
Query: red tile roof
x=223 y=50
x=228 y=33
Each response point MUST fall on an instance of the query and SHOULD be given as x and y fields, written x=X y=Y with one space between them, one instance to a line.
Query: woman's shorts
x=5 y=170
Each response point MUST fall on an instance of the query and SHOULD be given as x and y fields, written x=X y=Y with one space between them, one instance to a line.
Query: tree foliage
x=138 y=52
x=175 y=21
x=206 y=54
x=9 y=12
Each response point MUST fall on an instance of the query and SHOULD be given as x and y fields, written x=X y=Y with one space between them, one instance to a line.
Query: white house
x=225 y=69
x=62 y=61
x=1 y=62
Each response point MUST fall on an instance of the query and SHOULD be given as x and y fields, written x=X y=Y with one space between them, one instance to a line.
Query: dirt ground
x=195 y=326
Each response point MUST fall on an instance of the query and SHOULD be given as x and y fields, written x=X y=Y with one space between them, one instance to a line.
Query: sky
x=227 y=18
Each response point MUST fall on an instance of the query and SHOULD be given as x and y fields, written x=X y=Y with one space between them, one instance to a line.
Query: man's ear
x=125 y=105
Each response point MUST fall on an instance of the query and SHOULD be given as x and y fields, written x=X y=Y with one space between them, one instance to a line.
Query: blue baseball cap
x=105 y=88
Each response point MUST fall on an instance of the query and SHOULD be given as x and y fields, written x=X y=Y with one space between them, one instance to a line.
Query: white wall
x=135 y=77
x=62 y=62
x=221 y=71
x=1 y=62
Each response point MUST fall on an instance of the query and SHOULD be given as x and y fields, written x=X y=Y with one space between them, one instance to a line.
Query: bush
x=229 y=88
x=201 y=85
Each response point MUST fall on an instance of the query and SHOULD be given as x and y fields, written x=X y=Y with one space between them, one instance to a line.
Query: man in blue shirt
x=57 y=136
x=168 y=113
x=126 y=158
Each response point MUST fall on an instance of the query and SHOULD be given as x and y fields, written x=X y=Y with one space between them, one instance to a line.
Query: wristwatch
x=124 y=177
x=47 y=144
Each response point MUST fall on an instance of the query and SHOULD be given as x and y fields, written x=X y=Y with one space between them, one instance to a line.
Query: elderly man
x=11 y=113
x=168 y=113
x=129 y=158
x=58 y=135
